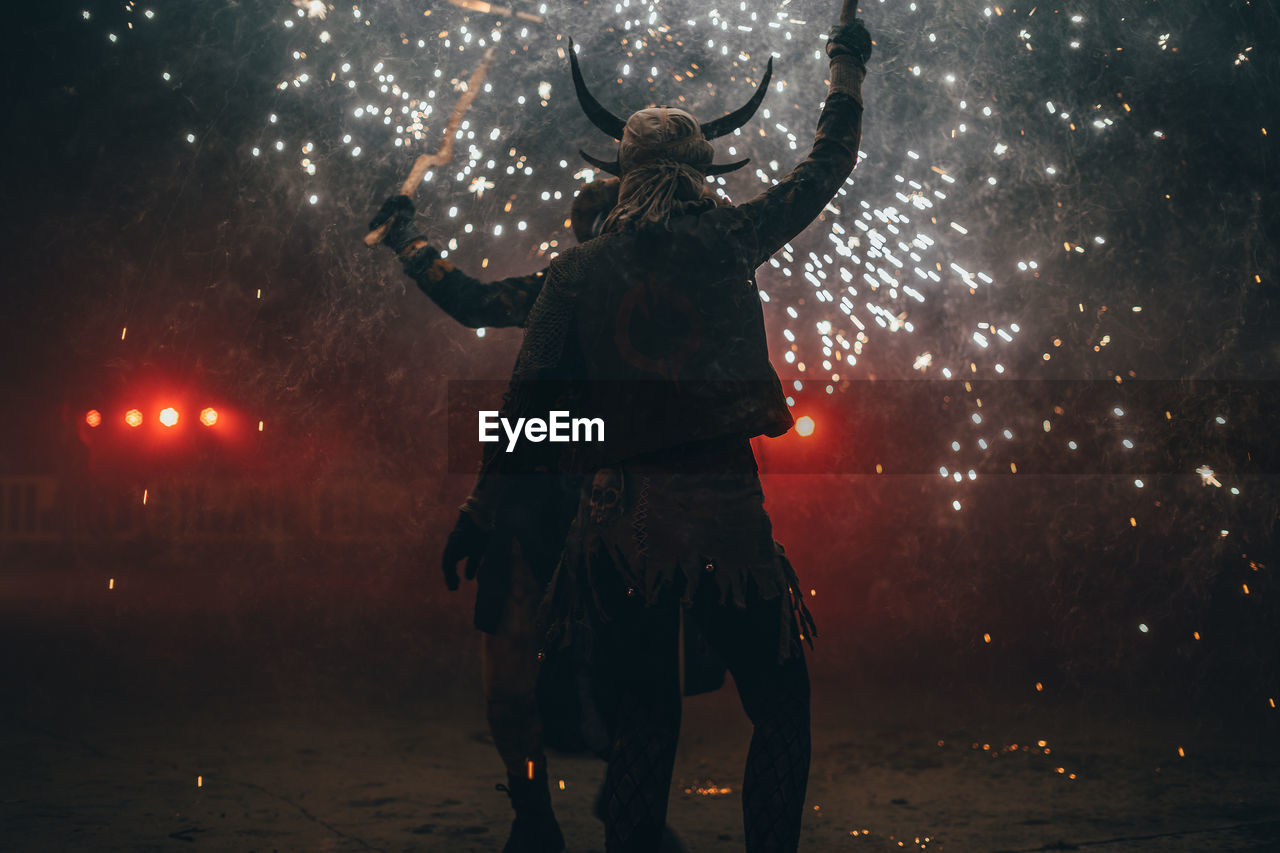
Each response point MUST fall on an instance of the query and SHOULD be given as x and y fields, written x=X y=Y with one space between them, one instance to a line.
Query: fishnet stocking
x=639 y=775
x=776 y=698
x=639 y=680
x=776 y=777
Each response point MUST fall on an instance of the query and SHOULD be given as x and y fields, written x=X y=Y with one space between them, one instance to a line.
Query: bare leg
x=510 y=672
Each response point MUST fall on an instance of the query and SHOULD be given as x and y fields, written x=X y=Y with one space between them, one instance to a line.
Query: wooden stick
x=445 y=152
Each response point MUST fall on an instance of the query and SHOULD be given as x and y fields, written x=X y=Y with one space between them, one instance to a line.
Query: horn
x=740 y=116
x=600 y=117
x=722 y=168
x=613 y=168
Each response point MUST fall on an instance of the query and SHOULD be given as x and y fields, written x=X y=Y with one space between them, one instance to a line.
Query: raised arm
x=787 y=208
x=471 y=302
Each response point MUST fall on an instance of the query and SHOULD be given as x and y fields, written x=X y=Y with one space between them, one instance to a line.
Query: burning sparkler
x=494 y=9
x=445 y=154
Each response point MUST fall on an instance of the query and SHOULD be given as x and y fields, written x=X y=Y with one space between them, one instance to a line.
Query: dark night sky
x=114 y=220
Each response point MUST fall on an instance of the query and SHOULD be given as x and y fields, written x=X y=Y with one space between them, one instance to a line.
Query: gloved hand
x=468 y=540
x=399 y=212
x=851 y=39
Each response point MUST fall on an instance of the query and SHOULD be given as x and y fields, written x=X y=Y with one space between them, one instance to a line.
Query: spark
x=1207 y=477
x=312 y=8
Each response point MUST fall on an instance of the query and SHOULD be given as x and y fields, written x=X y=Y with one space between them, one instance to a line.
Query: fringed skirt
x=665 y=525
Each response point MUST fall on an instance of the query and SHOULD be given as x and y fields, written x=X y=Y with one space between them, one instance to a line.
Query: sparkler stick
x=445 y=152
x=484 y=7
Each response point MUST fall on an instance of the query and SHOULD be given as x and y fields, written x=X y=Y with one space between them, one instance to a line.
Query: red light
x=804 y=426
x=169 y=416
x=133 y=418
x=93 y=417
x=209 y=417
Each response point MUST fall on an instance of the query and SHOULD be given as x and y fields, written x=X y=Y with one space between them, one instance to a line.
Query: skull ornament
x=606 y=495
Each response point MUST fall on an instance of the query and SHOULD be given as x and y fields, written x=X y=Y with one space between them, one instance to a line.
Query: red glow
x=209 y=417
x=169 y=416
x=93 y=417
x=804 y=426
x=133 y=418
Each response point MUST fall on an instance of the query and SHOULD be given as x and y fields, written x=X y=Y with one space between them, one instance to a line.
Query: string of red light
x=168 y=417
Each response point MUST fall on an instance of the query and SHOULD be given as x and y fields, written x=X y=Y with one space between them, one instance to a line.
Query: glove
x=851 y=39
x=399 y=212
x=468 y=540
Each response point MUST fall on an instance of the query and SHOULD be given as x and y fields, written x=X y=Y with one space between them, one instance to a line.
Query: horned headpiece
x=663 y=133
